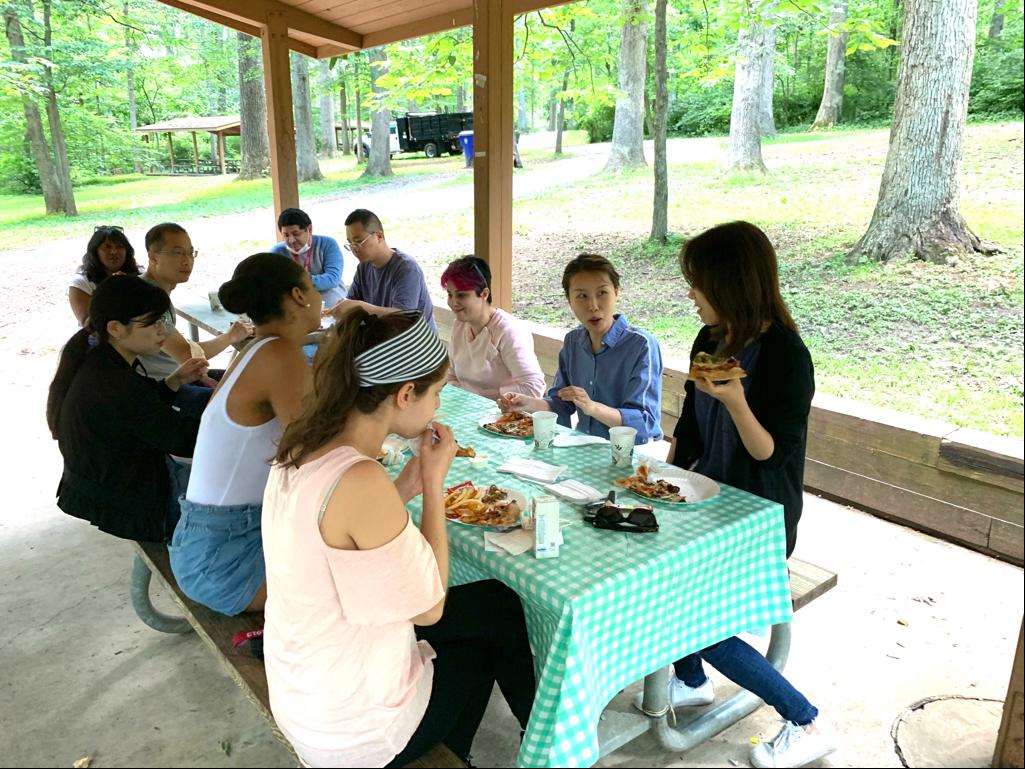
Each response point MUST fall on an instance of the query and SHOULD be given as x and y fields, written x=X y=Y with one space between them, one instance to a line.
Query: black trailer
x=433 y=133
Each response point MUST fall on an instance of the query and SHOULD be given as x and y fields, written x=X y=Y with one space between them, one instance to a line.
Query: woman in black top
x=115 y=427
x=750 y=433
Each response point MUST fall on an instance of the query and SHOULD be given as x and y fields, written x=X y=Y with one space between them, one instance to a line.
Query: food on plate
x=515 y=423
x=481 y=506
x=718 y=369
x=465 y=451
x=644 y=484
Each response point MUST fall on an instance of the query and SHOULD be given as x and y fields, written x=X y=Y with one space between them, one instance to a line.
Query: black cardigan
x=779 y=393
x=114 y=429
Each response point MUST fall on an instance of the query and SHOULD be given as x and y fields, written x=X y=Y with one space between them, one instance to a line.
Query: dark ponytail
x=123 y=298
x=336 y=391
x=259 y=285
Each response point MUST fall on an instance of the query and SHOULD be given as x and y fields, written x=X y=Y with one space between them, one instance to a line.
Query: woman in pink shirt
x=369 y=661
x=490 y=352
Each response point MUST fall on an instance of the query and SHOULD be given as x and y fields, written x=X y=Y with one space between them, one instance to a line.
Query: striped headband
x=414 y=353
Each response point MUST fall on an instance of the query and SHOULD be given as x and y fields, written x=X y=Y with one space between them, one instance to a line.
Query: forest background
x=939 y=339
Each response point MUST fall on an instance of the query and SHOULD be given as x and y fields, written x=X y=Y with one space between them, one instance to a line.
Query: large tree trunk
x=252 y=110
x=327 y=112
x=660 y=206
x=460 y=98
x=521 y=115
x=560 y=122
x=60 y=148
x=918 y=211
x=133 y=109
x=379 y=162
x=307 y=167
x=628 y=129
x=553 y=113
x=745 y=153
x=766 y=118
x=996 y=22
x=343 y=103
x=831 y=105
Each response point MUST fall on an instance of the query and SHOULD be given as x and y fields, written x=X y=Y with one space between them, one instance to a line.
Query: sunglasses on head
x=638 y=519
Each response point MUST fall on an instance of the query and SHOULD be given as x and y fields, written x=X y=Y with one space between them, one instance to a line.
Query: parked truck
x=432 y=133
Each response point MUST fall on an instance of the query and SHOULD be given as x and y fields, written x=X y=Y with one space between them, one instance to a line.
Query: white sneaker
x=794 y=746
x=683 y=696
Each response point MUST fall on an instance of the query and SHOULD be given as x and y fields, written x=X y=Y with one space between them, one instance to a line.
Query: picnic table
x=199 y=315
x=617 y=607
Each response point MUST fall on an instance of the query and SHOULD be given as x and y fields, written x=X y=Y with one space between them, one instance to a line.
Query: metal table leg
x=143 y=606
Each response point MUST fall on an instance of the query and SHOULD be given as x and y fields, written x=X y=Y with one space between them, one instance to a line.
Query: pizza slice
x=715 y=368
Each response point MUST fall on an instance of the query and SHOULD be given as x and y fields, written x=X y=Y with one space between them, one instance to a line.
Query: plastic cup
x=622 y=440
x=544 y=428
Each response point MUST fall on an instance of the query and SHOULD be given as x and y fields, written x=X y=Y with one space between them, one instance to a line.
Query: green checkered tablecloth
x=616 y=606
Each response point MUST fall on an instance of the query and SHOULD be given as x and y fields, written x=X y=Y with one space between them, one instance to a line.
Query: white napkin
x=564 y=440
x=532 y=469
x=394 y=447
x=512 y=542
x=574 y=492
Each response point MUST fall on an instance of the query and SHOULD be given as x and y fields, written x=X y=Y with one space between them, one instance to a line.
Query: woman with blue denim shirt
x=750 y=433
x=610 y=373
x=217 y=548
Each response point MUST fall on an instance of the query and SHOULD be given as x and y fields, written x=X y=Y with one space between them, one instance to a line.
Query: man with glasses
x=387 y=279
x=171 y=258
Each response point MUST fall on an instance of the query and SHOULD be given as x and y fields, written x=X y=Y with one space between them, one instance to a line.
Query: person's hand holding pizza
x=730 y=392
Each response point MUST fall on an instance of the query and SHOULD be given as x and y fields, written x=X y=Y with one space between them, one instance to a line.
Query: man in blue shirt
x=319 y=255
x=610 y=373
x=387 y=279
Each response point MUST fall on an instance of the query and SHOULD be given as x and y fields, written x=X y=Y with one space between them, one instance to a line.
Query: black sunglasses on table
x=614 y=518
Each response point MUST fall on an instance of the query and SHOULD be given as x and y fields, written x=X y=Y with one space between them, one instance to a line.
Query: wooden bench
x=217 y=632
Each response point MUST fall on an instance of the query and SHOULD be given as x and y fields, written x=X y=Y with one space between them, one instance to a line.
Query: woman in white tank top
x=217 y=548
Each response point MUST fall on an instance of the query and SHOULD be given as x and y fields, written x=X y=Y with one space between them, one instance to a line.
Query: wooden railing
x=958 y=484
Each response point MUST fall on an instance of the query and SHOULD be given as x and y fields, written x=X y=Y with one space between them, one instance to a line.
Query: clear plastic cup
x=544 y=428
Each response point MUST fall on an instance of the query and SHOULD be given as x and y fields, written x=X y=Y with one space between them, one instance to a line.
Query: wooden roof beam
x=233 y=23
x=428 y=26
x=255 y=12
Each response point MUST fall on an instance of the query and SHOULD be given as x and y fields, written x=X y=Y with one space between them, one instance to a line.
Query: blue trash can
x=466 y=142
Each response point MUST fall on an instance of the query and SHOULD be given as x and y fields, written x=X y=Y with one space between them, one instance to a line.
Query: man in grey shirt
x=387 y=279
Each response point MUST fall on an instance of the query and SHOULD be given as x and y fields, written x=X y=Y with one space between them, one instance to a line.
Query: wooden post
x=277 y=83
x=220 y=152
x=493 y=142
x=195 y=150
x=1010 y=738
x=170 y=147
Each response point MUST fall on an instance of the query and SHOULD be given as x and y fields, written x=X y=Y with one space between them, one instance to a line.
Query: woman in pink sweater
x=490 y=353
x=371 y=659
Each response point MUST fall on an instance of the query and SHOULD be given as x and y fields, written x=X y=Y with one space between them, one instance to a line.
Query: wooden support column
x=220 y=152
x=195 y=150
x=170 y=147
x=277 y=83
x=493 y=142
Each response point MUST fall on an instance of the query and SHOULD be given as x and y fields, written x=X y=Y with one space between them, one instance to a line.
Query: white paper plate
x=694 y=486
x=491 y=418
x=514 y=496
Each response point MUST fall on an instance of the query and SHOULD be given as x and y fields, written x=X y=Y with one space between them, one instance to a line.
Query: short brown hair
x=735 y=266
x=336 y=391
x=589 y=263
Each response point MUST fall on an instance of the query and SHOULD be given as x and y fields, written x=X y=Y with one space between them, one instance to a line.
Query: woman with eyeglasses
x=217 y=548
x=108 y=252
x=489 y=353
x=115 y=427
x=752 y=434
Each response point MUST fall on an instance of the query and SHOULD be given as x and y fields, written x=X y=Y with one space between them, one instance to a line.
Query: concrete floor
x=912 y=618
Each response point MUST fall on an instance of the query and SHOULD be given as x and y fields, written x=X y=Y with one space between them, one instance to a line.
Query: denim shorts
x=217 y=555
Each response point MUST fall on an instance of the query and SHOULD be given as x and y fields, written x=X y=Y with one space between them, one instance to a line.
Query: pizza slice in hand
x=715 y=368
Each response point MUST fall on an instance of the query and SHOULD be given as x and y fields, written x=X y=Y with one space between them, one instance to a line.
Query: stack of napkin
x=532 y=470
x=563 y=440
x=575 y=492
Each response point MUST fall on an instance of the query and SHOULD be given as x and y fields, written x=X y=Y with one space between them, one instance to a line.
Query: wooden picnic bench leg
x=711 y=722
x=194 y=332
x=143 y=606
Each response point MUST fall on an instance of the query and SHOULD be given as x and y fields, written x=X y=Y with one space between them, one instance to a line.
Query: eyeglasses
x=350 y=246
x=179 y=253
x=117 y=227
x=639 y=519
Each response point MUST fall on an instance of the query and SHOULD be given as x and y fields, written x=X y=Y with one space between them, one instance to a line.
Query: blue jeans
x=747 y=668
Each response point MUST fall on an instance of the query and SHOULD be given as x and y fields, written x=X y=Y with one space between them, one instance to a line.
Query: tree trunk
x=996 y=22
x=252 y=110
x=766 y=118
x=361 y=156
x=343 y=99
x=307 y=167
x=133 y=109
x=627 y=131
x=745 y=153
x=327 y=112
x=918 y=211
x=831 y=106
x=521 y=116
x=460 y=98
x=560 y=122
x=379 y=162
x=660 y=206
